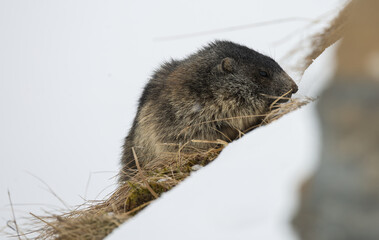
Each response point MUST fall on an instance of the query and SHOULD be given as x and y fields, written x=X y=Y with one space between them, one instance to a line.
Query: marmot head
x=237 y=74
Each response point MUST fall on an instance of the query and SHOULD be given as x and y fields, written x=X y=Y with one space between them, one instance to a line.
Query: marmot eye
x=263 y=73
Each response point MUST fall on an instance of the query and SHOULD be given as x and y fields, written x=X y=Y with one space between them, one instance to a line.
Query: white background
x=71 y=73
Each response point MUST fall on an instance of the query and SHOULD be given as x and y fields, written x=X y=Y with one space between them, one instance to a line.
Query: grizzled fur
x=184 y=99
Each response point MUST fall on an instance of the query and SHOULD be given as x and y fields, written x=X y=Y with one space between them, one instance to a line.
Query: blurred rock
x=341 y=200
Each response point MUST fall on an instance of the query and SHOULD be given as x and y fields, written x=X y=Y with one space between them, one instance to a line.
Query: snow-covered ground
x=70 y=76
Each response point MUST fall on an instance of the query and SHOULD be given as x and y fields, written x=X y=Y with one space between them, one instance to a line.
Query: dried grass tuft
x=324 y=39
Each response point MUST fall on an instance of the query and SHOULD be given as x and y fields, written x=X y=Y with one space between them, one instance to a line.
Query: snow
x=71 y=73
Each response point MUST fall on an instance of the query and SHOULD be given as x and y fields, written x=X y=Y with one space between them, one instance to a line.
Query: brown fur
x=206 y=96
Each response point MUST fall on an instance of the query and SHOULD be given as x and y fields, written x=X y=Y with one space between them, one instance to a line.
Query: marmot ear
x=227 y=65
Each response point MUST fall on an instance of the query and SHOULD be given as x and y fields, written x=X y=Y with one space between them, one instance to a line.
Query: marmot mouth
x=283 y=99
x=274 y=100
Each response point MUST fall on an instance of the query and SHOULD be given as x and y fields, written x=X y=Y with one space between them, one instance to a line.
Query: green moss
x=140 y=194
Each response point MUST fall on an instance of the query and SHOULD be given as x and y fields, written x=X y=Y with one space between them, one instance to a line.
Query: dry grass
x=324 y=39
x=96 y=219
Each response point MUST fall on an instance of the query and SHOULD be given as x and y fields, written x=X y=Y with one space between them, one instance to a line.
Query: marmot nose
x=294 y=88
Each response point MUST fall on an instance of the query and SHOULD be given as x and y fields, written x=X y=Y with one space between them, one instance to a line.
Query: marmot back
x=191 y=98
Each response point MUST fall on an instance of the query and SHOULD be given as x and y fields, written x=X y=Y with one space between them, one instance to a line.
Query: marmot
x=200 y=97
